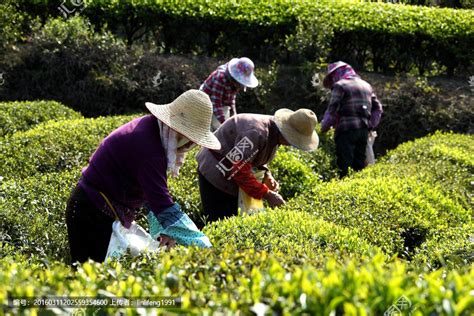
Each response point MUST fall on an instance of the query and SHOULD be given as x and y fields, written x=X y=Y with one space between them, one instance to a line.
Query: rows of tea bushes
x=385 y=36
x=40 y=166
x=401 y=204
x=331 y=250
x=416 y=202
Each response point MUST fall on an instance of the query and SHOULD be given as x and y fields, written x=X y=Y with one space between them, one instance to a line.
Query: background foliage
x=353 y=246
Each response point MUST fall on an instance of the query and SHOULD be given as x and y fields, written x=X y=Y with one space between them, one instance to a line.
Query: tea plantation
x=399 y=229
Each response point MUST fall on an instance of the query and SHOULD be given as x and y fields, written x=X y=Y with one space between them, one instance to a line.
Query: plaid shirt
x=222 y=92
x=353 y=105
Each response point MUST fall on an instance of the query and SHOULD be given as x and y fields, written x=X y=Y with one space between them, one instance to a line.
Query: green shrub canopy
x=21 y=116
x=332 y=248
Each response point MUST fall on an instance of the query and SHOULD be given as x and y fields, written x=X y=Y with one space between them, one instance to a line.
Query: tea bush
x=418 y=192
x=69 y=62
x=294 y=237
x=447 y=246
x=229 y=281
x=21 y=116
x=308 y=167
x=55 y=146
x=12 y=23
x=395 y=214
x=386 y=30
x=443 y=159
x=468 y=4
x=32 y=213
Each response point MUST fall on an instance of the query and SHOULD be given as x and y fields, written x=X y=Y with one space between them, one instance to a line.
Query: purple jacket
x=353 y=105
x=129 y=167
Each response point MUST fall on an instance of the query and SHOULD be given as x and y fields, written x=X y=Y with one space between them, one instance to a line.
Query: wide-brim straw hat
x=298 y=128
x=331 y=68
x=242 y=70
x=189 y=114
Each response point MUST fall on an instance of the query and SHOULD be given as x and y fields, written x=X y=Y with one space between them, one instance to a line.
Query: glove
x=274 y=199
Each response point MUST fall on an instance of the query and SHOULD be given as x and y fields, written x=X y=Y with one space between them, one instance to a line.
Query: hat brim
x=248 y=81
x=183 y=126
x=327 y=79
x=292 y=136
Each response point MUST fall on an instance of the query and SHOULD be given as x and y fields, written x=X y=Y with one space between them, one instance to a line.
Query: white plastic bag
x=369 y=150
x=134 y=238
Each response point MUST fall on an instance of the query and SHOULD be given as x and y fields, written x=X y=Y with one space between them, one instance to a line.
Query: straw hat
x=241 y=69
x=331 y=68
x=298 y=128
x=190 y=115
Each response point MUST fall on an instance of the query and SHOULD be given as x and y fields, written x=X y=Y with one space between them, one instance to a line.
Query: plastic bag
x=248 y=204
x=369 y=150
x=135 y=238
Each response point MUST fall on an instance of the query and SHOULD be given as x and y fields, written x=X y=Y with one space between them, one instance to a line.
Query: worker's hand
x=270 y=182
x=274 y=199
x=167 y=241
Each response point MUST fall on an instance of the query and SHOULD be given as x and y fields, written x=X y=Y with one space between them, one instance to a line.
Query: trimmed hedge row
x=387 y=36
x=418 y=197
x=399 y=204
x=321 y=264
x=398 y=38
x=444 y=159
x=294 y=237
x=229 y=281
x=395 y=214
x=32 y=214
x=55 y=146
x=21 y=116
x=33 y=208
